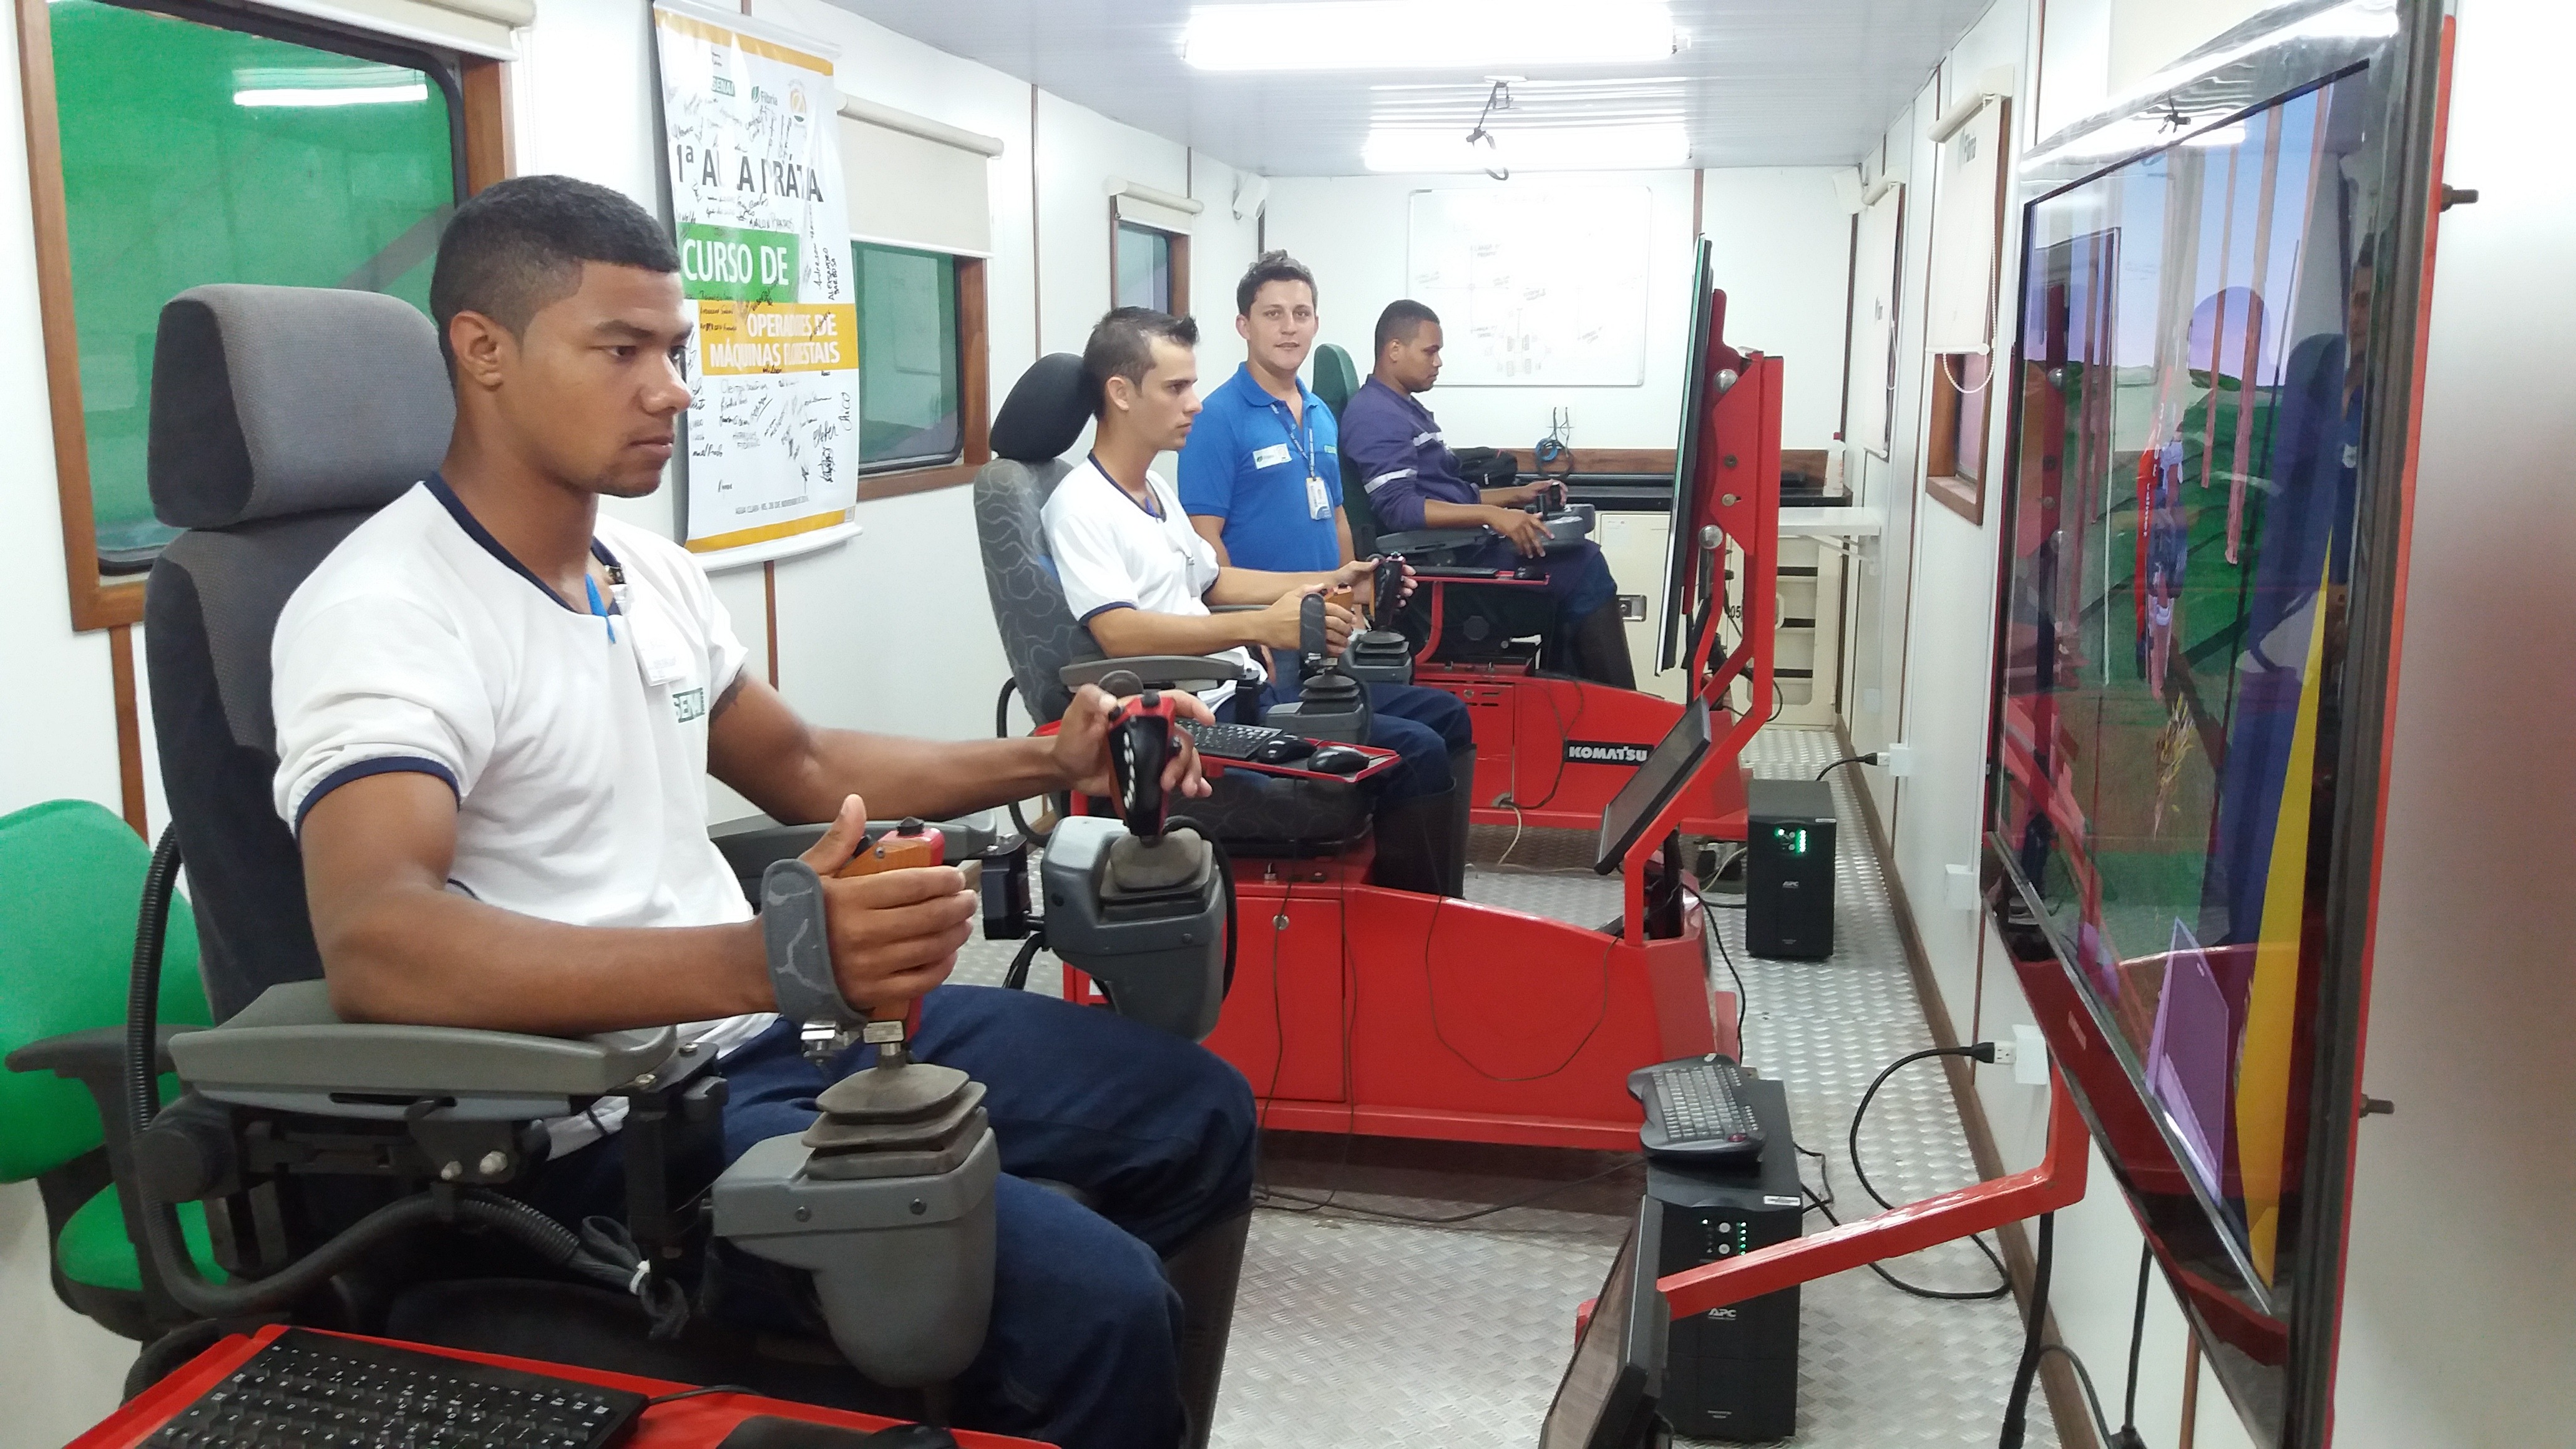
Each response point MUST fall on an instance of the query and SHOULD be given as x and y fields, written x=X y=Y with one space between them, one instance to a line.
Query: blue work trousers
x=1578 y=578
x=1082 y=1351
x=1422 y=725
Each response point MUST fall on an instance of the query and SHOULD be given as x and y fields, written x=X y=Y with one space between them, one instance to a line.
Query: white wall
x=2456 y=1328
x=1783 y=256
x=891 y=631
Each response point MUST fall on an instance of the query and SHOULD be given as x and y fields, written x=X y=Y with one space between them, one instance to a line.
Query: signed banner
x=750 y=120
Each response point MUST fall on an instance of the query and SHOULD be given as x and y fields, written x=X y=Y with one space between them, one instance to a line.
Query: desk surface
x=1831 y=522
x=688 y=1424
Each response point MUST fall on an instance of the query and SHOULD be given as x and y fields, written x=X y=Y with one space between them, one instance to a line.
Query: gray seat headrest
x=274 y=401
x=1046 y=410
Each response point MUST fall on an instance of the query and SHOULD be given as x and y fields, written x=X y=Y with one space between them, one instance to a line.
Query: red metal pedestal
x=1357 y=1009
x=1560 y=749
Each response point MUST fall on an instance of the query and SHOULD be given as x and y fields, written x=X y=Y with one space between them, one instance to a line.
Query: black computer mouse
x=1285 y=750
x=1337 y=760
x=769 y=1432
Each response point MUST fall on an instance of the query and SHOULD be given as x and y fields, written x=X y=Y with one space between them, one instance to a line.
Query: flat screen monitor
x=1681 y=553
x=1668 y=766
x=1611 y=1386
x=2211 y=385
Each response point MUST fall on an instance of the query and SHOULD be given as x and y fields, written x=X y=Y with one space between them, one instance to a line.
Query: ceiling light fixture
x=1656 y=146
x=1427 y=34
x=297 y=96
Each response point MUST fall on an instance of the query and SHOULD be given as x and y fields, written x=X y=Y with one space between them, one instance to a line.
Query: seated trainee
x=1135 y=573
x=1413 y=482
x=496 y=711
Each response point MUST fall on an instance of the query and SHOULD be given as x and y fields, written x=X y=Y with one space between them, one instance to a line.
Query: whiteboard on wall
x=1879 y=291
x=1967 y=216
x=1535 y=287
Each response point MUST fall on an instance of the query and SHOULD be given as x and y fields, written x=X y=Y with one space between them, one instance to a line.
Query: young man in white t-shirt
x=495 y=713
x=1141 y=578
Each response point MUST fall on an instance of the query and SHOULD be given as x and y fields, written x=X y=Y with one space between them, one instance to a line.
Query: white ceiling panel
x=1758 y=83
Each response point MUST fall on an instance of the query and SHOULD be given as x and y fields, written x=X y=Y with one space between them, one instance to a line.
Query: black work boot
x=1601 y=648
x=1422 y=842
x=1204 y=1271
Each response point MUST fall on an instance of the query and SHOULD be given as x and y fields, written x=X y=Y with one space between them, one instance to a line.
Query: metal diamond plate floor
x=1353 y=1329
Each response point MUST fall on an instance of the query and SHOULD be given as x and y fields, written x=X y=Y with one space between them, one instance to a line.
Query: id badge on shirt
x=659 y=652
x=1318 y=503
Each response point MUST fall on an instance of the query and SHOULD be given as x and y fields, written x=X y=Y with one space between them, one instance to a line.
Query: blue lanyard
x=596 y=607
x=1301 y=432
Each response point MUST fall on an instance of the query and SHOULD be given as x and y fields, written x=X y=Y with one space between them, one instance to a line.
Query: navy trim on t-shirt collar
x=475 y=530
x=1152 y=510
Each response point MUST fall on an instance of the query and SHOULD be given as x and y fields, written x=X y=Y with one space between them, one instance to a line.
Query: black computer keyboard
x=1230 y=741
x=312 y=1391
x=1696 y=1112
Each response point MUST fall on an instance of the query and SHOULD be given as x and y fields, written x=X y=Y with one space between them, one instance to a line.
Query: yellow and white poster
x=750 y=120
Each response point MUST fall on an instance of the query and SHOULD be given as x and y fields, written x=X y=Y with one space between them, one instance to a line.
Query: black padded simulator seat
x=1045 y=414
x=241 y=376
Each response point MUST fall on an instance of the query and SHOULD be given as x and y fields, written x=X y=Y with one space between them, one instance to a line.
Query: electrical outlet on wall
x=1959 y=886
x=1899 y=759
x=2030 y=1057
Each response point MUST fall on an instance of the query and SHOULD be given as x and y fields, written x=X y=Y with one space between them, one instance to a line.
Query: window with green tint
x=1144 y=267
x=909 y=360
x=195 y=153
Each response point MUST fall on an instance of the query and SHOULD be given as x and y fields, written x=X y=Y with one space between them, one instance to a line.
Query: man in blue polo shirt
x=1261 y=477
x=1413 y=482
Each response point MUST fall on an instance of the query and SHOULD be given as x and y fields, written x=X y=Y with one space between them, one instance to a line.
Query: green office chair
x=1335 y=378
x=1482 y=622
x=71 y=877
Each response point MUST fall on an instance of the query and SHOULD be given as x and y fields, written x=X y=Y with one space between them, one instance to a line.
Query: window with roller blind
x=922 y=226
x=1959 y=327
x=184 y=144
x=1149 y=248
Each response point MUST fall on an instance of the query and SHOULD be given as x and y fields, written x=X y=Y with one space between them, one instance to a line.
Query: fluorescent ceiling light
x=1656 y=146
x=340 y=85
x=336 y=96
x=1427 y=34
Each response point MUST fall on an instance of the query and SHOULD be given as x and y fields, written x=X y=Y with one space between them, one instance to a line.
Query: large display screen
x=2213 y=356
x=2190 y=430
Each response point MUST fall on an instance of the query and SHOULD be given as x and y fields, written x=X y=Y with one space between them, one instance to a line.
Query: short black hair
x=1270 y=267
x=518 y=246
x=1122 y=345
x=1402 y=318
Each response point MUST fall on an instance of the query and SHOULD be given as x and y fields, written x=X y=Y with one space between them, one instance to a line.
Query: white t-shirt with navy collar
x=1112 y=552
x=576 y=742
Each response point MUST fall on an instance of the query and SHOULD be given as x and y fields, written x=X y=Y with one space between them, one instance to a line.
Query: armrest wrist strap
x=800 y=957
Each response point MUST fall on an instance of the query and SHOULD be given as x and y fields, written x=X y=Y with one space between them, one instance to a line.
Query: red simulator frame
x=1359 y=1009
x=1526 y=721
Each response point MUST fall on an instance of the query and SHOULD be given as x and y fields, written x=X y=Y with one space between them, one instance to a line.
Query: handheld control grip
x=1313 y=645
x=910 y=845
x=1141 y=744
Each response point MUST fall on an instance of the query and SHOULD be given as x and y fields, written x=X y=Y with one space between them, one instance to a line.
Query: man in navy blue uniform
x=1261 y=477
x=1413 y=482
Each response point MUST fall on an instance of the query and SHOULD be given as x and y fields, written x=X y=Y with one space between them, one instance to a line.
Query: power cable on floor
x=1742 y=998
x=1309 y=1205
x=1984 y=1052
